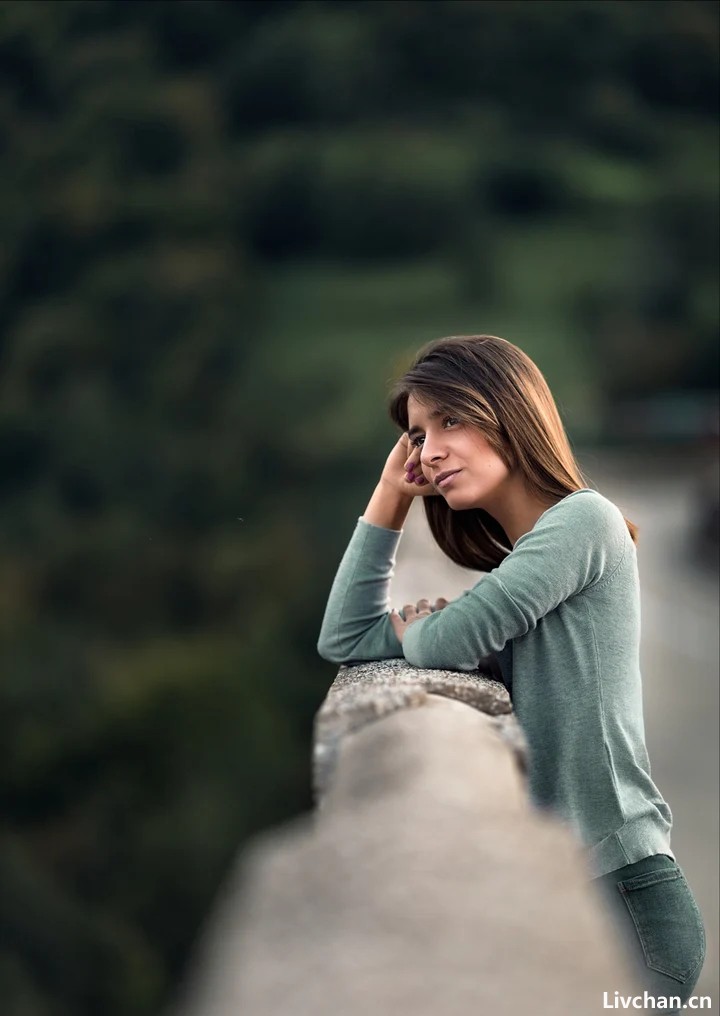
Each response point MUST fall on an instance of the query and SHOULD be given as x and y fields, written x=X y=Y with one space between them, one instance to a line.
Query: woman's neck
x=517 y=510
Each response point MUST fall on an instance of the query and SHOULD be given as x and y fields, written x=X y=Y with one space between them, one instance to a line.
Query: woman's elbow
x=329 y=652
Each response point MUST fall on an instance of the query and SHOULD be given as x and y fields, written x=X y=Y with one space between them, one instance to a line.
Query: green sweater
x=561 y=615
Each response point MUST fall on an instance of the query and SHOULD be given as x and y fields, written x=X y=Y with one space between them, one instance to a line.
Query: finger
x=397 y=624
x=440 y=603
x=414 y=475
x=423 y=605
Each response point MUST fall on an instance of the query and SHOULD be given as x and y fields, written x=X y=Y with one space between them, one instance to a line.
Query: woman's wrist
x=387 y=507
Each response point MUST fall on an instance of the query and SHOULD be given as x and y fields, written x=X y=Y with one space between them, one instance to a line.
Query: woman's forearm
x=356 y=625
x=387 y=508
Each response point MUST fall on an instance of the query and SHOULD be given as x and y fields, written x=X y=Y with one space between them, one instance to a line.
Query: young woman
x=558 y=614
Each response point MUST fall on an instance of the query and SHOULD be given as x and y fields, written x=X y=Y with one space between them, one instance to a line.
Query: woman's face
x=448 y=444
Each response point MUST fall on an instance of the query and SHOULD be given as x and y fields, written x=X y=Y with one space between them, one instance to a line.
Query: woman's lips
x=448 y=479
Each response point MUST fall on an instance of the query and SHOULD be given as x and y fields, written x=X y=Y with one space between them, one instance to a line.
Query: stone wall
x=423 y=885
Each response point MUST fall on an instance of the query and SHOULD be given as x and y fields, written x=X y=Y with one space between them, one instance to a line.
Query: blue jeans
x=660 y=926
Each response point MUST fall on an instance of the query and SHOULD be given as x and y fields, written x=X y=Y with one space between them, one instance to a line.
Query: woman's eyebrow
x=418 y=430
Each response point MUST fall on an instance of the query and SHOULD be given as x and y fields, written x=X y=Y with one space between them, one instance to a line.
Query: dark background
x=225 y=228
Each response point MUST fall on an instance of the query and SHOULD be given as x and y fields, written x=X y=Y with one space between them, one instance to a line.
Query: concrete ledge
x=425 y=885
x=365 y=692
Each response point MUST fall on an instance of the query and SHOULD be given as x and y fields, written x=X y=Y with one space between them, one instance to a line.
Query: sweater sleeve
x=356 y=625
x=577 y=543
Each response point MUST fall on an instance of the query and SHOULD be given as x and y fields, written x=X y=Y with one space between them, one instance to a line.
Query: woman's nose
x=429 y=454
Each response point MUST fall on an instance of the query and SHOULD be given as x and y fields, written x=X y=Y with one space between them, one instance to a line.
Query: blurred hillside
x=226 y=226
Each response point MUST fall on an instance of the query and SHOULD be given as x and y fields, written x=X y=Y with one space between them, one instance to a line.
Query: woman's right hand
x=403 y=471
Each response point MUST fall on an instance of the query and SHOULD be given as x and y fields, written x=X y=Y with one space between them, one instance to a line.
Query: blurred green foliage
x=225 y=227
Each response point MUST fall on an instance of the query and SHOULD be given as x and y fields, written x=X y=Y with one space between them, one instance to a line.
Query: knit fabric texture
x=561 y=616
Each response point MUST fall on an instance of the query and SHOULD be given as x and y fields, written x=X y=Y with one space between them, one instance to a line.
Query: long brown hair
x=492 y=385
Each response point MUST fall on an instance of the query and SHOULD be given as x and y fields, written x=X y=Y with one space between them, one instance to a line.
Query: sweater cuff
x=379 y=533
x=412 y=644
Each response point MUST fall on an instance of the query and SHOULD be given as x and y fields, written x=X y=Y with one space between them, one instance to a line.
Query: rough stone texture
x=425 y=886
x=366 y=692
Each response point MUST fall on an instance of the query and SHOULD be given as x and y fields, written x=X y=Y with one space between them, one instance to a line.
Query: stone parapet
x=424 y=885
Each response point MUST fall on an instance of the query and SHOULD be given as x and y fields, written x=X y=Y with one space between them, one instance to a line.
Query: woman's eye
x=419 y=438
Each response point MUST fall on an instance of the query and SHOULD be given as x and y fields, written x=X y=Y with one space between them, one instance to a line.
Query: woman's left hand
x=413 y=612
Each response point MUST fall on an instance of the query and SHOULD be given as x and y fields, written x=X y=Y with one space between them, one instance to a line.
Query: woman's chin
x=453 y=500
x=460 y=502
